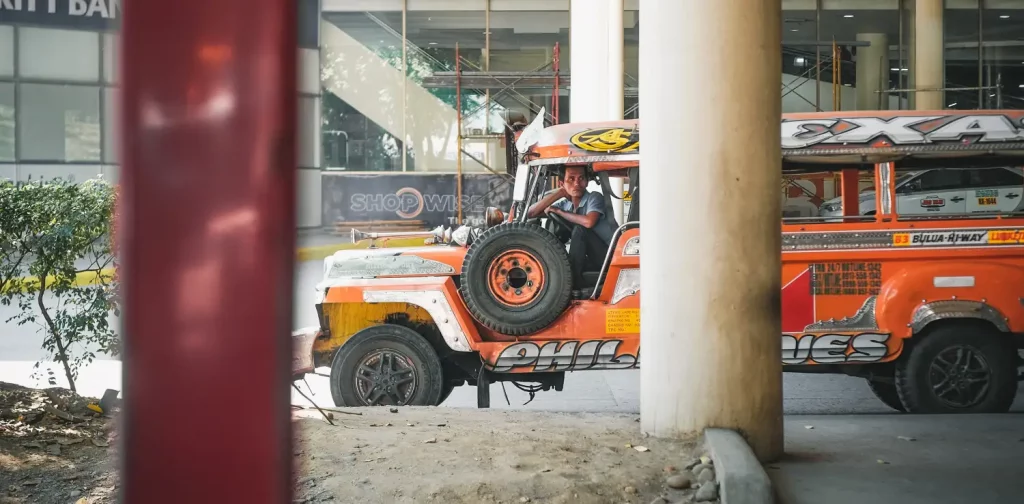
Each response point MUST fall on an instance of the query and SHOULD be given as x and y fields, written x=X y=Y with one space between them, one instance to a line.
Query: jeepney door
x=994 y=190
x=939 y=191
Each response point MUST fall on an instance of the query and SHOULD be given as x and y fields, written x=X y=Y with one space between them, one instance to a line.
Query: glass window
x=960 y=34
x=994 y=177
x=6 y=50
x=362 y=81
x=938 y=180
x=111 y=54
x=111 y=125
x=59 y=122
x=58 y=54
x=6 y=121
x=430 y=98
x=1002 y=26
x=308 y=141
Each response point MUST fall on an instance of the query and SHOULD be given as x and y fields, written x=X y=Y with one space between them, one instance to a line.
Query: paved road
x=951 y=458
x=584 y=391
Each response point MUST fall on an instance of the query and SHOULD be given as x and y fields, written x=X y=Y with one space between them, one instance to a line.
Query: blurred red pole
x=208 y=235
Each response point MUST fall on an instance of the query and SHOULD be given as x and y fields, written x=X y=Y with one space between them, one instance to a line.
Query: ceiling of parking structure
x=519 y=29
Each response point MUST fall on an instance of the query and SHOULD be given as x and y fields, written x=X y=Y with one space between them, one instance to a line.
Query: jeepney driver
x=592 y=229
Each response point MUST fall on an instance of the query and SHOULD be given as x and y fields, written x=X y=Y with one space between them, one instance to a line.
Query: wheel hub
x=385 y=377
x=515 y=278
x=960 y=376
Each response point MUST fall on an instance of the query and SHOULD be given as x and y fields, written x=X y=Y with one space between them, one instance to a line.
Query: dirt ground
x=372 y=455
x=54 y=449
x=449 y=455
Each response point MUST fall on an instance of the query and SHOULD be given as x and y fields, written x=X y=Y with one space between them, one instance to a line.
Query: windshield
x=903 y=178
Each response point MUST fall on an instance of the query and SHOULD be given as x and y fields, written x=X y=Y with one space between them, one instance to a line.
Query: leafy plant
x=55 y=253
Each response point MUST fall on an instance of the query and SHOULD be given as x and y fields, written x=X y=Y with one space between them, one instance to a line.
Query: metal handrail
x=608 y=255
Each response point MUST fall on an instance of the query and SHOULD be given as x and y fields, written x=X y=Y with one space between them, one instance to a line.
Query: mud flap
x=483 y=388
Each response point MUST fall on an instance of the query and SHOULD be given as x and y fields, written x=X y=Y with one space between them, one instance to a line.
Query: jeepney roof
x=819 y=141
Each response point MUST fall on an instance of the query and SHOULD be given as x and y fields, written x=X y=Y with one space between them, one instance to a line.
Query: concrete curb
x=303 y=254
x=741 y=479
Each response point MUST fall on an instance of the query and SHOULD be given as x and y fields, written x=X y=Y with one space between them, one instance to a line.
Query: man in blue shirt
x=585 y=211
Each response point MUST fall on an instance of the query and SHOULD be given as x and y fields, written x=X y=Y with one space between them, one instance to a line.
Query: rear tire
x=958 y=367
x=386 y=365
x=516 y=278
x=886 y=392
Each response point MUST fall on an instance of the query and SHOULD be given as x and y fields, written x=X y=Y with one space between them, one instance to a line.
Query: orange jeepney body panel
x=855 y=295
x=849 y=296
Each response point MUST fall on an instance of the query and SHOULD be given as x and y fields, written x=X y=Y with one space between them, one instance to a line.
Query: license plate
x=986 y=201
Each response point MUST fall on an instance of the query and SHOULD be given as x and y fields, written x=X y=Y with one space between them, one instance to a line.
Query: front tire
x=386 y=365
x=958 y=368
x=886 y=392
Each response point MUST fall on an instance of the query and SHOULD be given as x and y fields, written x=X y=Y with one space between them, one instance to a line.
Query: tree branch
x=62 y=354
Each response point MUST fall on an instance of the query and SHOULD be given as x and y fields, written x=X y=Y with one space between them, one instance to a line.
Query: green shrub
x=55 y=263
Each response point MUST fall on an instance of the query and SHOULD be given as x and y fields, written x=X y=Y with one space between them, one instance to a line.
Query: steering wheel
x=560 y=221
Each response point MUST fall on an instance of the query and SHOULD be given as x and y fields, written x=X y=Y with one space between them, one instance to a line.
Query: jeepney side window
x=940 y=180
x=994 y=177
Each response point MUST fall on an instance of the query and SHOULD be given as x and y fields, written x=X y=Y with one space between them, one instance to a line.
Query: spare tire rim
x=515 y=278
x=960 y=376
x=385 y=377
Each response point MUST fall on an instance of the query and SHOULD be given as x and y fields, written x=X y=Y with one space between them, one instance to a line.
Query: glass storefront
x=377 y=117
x=388 y=99
x=56 y=103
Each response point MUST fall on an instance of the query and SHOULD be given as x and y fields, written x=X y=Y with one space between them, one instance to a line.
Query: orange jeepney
x=928 y=308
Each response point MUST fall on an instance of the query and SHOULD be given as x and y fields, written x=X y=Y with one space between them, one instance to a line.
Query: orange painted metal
x=850 y=188
x=819 y=285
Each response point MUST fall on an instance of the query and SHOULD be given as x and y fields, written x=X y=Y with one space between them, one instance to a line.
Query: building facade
x=378 y=95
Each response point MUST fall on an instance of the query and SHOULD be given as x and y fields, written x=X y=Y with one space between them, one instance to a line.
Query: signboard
x=99 y=15
x=105 y=15
x=427 y=197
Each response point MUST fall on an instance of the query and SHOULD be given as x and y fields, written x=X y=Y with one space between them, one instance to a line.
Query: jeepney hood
x=433 y=260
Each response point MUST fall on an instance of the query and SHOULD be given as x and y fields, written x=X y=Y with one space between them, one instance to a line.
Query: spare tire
x=516 y=278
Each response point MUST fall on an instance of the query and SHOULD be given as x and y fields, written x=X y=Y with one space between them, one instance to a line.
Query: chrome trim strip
x=627 y=284
x=863 y=319
x=885 y=172
x=387 y=265
x=956 y=308
x=435 y=303
x=857 y=240
x=585 y=159
x=633 y=242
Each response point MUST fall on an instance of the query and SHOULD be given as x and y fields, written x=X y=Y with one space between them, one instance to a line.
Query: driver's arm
x=593 y=210
x=588 y=221
x=538 y=208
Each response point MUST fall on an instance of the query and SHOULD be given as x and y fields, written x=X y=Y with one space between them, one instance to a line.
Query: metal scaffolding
x=495 y=84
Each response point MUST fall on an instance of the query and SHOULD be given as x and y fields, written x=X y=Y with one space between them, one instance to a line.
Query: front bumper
x=302 y=350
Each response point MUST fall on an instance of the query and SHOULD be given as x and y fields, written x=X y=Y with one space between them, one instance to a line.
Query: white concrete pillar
x=710 y=308
x=595 y=30
x=929 y=55
x=872 y=71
